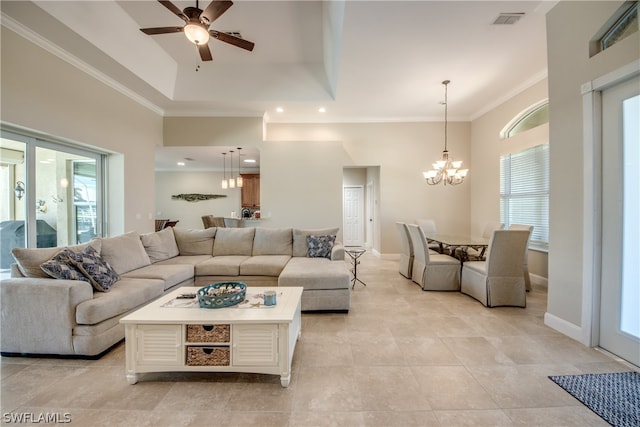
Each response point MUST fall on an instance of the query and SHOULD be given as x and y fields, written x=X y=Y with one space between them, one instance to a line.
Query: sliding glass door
x=51 y=194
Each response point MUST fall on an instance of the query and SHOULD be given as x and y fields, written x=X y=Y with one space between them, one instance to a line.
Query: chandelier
x=446 y=170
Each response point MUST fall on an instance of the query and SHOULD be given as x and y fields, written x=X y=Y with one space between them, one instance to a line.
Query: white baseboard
x=539 y=280
x=564 y=327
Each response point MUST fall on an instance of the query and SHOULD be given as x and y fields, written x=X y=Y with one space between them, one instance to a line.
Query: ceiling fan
x=197 y=26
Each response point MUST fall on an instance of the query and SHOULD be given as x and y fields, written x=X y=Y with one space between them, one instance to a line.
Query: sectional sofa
x=44 y=311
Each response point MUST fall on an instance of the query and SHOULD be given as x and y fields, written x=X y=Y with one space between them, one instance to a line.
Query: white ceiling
x=361 y=60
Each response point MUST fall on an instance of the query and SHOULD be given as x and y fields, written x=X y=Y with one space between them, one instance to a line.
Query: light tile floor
x=400 y=357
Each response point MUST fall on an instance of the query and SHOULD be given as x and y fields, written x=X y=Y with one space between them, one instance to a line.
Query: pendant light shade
x=232 y=181
x=224 y=169
x=239 y=178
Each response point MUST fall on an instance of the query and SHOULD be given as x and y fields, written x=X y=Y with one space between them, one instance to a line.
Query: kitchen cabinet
x=250 y=190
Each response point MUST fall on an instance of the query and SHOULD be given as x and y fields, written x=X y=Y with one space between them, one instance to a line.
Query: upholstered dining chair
x=498 y=281
x=406 y=250
x=429 y=227
x=527 y=279
x=431 y=270
x=477 y=253
x=160 y=224
x=212 y=221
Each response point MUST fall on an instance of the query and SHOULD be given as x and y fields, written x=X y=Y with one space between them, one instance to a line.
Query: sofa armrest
x=38 y=315
x=337 y=252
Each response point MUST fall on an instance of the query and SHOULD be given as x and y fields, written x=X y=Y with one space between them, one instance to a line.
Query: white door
x=620 y=280
x=353 y=213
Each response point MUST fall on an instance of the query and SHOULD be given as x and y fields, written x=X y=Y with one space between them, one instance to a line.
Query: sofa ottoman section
x=326 y=283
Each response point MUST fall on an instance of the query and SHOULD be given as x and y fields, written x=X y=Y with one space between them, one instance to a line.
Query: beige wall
x=401 y=151
x=486 y=149
x=189 y=213
x=44 y=93
x=570 y=67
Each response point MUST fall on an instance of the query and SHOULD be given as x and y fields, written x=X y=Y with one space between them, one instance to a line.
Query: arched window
x=535 y=115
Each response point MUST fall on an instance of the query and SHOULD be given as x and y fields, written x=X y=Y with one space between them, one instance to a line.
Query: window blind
x=524 y=191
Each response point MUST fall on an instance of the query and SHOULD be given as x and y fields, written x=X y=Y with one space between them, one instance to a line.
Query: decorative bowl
x=220 y=295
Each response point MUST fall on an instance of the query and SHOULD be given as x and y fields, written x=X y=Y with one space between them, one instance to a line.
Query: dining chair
x=212 y=221
x=431 y=270
x=527 y=279
x=406 y=250
x=429 y=227
x=477 y=253
x=498 y=281
x=160 y=224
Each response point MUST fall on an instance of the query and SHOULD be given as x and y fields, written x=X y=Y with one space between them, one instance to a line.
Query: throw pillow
x=195 y=242
x=60 y=267
x=300 y=247
x=233 y=241
x=30 y=259
x=95 y=268
x=320 y=246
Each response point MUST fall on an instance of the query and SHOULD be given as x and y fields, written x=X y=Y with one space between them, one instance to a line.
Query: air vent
x=508 y=18
x=189 y=159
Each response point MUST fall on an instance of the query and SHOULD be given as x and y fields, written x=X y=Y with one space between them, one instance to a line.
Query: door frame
x=592 y=198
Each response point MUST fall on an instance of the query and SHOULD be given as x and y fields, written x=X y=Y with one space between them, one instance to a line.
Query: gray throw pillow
x=61 y=267
x=320 y=246
x=95 y=268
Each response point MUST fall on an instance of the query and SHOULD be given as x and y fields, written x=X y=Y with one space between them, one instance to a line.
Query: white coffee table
x=243 y=338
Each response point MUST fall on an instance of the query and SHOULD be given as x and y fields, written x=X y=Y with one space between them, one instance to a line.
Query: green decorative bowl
x=220 y=295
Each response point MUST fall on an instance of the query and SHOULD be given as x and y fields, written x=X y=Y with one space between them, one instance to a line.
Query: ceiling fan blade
x=214 y=10
x=205 y=52
x=173 y=8
x=161 y=30
x=236 y=41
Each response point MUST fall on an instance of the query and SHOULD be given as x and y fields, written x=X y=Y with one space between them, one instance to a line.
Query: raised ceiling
x=361 y=60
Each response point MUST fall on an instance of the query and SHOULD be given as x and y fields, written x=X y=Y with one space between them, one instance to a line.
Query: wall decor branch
x=193 y=197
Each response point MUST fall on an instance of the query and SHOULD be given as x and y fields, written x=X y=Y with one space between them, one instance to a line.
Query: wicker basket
x=222 y=299
x=208 y=333
x=208 y=356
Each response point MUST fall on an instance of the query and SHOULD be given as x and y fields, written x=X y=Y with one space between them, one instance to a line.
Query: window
x=524 y=192
x=534 y=116
x=621 y=25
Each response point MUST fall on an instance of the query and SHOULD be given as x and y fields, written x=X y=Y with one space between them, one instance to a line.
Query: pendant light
x=446 y=170
x=239 y=178
x=224 y=169
x=232 y=181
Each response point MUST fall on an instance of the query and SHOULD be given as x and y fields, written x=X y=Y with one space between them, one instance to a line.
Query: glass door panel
x=13 y=199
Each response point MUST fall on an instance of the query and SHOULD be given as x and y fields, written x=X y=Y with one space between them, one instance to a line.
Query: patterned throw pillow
x=95 y=268
x=60 y=267
x=320 y=246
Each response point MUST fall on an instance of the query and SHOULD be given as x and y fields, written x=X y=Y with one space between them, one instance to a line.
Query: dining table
x=449 y=243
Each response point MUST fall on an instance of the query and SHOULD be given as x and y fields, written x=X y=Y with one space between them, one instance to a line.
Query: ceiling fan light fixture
x=196 y=33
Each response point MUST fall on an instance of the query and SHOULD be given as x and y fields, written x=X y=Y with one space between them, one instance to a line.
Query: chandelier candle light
x=446 y=170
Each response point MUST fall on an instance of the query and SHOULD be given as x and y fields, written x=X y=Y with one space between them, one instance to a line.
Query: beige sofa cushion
x=195 y=242
x=315 y=274
x=125 y=252
x=160 y=245
x=273 y=241
x=29 y=259
x=264 y=265
x=300 y=238
x=233 y=241
x=222 y=265
x=171 y=274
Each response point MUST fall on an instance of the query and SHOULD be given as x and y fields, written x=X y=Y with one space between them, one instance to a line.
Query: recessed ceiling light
x=280 y=110
x=322 y=110
x=180 y=163
x=249 y=160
